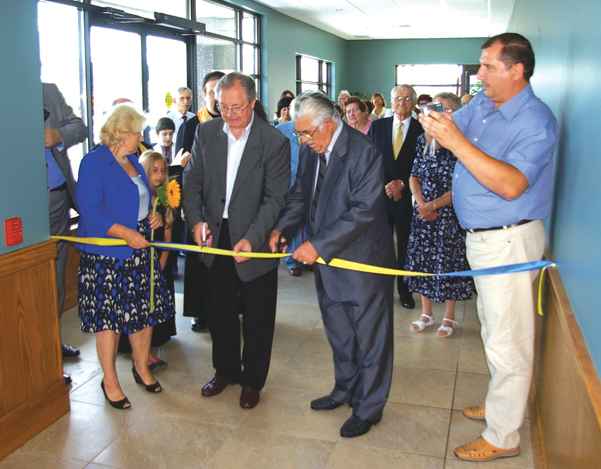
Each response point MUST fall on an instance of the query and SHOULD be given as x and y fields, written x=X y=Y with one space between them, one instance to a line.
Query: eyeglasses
x=233 y=109
x=400 y=99
x=304 y=133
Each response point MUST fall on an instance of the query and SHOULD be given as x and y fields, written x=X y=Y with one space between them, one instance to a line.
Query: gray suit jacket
x=258 y=195
x=70 y=126
x=350 y=218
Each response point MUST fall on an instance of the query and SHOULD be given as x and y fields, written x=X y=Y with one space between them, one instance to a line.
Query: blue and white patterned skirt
x=114 y=294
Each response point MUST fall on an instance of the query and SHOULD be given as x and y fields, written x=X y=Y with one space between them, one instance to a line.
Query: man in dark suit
x=62 y=130
x=338 y=192
x=396 y=138
x=235 y=185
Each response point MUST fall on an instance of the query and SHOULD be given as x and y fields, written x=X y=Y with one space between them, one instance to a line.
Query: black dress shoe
x=67 y=379
x=325 y=403
x=407 y=300
x=198 y=325
x=69 y=351
x=356 y=426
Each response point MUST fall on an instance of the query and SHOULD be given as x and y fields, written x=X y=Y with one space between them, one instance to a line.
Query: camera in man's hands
x=432 y=107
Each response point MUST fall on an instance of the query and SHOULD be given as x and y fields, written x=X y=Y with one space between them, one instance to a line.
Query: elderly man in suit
x=338 y=192
x=62 y=130
x=396 y=138
x=234 y=188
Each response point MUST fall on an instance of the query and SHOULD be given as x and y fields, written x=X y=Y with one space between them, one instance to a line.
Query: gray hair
x=229 y=81
x=404 y=87
x=315 y=105
x=181 y=89
x=341 y=93
x=455 y=100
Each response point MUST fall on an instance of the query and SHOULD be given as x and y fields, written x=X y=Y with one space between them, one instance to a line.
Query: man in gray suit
x=235 y=185
x=62 y=130
x=338 y=192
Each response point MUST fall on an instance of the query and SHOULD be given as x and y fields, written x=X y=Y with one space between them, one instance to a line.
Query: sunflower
x=170 y=194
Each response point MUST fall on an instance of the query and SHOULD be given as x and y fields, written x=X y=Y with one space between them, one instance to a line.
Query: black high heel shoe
x=154 y=387
x=123 y=404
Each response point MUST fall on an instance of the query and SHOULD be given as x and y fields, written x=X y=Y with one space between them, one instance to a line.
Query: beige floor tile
x=422 y=386
x=164 y=442
x=316 y=344
x=288 y=337
x=186 y=402
x=409 y=429
x=287 y=412
x=256 y=449
x=471 y=358
x=25 y=458
x=464 y=430
x=84 y=432
x=470 y=390
x=437 y=353
x=307 y=373
x=347 y=456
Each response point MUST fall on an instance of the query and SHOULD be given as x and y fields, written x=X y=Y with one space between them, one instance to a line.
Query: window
x=313 y=75
x=231 y=42
x=434 y=79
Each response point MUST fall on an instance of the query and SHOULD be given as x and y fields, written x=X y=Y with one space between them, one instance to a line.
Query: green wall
x=566 y=38
x=371 y=64
x=24 y=190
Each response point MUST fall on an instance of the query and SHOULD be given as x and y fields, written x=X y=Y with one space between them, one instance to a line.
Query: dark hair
x=379 y=95
x=287 y=93
x=282 y=103
x=425 y=97
x=516 y=50
x=260 y=111
x=369 y=105
x=164 y=123
x=353 y=99
x=210 y=77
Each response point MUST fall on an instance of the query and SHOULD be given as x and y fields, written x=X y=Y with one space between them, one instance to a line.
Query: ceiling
x=400 y=19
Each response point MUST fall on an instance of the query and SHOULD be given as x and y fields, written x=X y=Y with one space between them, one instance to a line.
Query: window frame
x=323 y=83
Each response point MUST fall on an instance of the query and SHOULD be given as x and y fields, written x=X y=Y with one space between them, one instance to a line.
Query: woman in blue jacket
x=114 y=199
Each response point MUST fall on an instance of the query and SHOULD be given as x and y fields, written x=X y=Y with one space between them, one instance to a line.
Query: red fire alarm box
x=13 y=231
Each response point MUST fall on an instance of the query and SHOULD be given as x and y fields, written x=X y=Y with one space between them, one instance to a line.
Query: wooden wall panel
x=32 y=390
x=566 y=397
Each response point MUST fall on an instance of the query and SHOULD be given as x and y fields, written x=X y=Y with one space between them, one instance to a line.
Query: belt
x=504 y=227
x=62 y=187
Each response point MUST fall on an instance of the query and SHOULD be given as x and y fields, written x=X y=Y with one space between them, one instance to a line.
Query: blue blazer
x=107 y=195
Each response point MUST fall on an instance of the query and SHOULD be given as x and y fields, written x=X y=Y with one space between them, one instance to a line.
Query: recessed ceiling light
x=339 y=9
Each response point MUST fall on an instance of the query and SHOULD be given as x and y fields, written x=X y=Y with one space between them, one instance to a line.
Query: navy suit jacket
x=350 y=219
x=381 y=134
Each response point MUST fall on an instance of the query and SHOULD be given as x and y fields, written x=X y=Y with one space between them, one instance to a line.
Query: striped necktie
x=323 y=166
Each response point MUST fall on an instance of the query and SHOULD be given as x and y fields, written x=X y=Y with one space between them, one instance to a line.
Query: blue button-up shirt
x=523 y=133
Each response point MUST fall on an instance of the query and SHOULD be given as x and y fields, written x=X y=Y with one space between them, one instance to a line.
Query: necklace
x=122 y=161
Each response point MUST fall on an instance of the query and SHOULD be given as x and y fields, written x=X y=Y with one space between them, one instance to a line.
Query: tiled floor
x=433 y=380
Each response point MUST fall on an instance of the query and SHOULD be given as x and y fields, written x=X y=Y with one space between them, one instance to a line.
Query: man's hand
x=52 y=137
x=306 y=253
x=202 y=234
x=394 y=189
x=274 y=241
x=443 y=129
x=242 y=246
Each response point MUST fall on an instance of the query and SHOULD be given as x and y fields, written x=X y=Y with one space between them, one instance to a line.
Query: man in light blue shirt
x=504 y=141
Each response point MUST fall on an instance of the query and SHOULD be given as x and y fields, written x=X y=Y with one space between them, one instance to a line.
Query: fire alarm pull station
x=13 y=231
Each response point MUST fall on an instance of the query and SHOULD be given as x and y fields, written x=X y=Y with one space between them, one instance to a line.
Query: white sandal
x=421 y=325
x=448 y=330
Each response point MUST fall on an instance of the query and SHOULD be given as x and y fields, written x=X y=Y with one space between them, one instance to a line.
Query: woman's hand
x=426 y=210
x=134 y=239
x=155 y=221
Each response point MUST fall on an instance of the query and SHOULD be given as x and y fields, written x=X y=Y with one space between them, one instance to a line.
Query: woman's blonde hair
x=124 y=119
x=147 y=160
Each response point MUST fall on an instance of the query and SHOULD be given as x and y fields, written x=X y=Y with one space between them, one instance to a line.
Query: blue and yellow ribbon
x=338 y=263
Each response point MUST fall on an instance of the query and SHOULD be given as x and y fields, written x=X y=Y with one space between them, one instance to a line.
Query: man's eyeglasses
x=233 y=109
x=400 y=99
x=304 y=133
